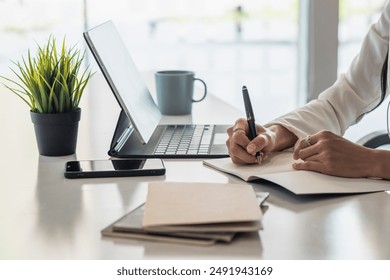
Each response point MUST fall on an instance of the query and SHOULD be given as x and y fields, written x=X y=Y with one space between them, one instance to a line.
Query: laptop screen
x=124 y=79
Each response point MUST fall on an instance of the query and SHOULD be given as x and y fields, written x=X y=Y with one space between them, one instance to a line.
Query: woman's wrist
x=284 y=138
x=378 y=164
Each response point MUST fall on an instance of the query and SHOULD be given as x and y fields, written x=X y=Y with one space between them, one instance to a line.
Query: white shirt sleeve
x=353 y=94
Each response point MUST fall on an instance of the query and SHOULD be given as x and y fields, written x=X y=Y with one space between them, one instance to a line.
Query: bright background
x=227 y=43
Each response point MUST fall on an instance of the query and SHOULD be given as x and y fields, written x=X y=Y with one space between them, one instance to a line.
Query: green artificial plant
x=52 y=81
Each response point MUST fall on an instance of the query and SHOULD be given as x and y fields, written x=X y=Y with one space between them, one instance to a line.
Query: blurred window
x=228 y=43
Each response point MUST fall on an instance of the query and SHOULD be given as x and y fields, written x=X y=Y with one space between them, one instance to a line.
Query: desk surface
x=45 y=216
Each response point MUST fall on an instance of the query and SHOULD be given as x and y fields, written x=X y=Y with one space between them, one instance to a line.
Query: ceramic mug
x=175 y=90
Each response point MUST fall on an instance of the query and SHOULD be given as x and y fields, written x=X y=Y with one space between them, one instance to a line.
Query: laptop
x=138 y=133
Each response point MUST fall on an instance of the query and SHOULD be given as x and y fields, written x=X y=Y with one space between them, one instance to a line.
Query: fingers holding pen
x=237 y=143
x=263 y=144
x=259 y=144
x=240 y=124
x=242 y=150
x=238 y=133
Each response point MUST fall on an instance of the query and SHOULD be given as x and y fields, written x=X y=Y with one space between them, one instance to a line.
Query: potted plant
x=51 y=84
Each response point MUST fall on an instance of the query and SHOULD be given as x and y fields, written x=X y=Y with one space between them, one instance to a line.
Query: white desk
x=45 y=216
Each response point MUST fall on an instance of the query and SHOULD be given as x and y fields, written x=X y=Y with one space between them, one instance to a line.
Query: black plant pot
x=56 y=134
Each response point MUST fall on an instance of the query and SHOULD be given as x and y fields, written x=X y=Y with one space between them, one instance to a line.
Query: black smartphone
x=114 y=168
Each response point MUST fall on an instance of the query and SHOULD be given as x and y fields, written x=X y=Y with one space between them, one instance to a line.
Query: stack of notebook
x=192 y=213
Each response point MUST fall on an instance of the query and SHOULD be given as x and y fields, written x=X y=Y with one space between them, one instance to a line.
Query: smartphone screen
x=114 y=168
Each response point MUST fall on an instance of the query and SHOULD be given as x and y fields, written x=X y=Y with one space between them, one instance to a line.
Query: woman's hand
x=243 y=151
x=331 y=154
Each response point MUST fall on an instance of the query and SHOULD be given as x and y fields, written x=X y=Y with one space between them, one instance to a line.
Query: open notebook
x=278 y=169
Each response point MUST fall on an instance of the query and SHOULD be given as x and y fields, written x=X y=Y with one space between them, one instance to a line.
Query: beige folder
x=201 y=207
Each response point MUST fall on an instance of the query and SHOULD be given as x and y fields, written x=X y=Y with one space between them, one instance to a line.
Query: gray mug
x=175 y=90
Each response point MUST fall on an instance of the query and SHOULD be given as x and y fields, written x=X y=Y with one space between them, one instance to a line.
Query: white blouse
x=353 y=94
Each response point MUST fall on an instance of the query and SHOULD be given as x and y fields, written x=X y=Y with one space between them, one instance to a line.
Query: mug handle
x=205 y=90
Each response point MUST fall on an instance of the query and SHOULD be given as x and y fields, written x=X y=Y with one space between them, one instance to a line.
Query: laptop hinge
x=122 y=139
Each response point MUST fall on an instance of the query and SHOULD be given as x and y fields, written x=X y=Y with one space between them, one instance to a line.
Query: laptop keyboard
x=185 y=140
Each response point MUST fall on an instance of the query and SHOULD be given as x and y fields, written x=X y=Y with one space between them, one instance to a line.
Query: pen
x=250 y=118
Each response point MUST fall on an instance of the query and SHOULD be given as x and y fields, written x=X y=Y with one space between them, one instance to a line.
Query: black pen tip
x=243 y=87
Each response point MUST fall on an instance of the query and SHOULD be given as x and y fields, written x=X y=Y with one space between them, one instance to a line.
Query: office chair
x=375 y=139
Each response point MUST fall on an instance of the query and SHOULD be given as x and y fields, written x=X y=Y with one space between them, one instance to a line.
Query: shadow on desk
x=281 y=197
x=297 y=204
